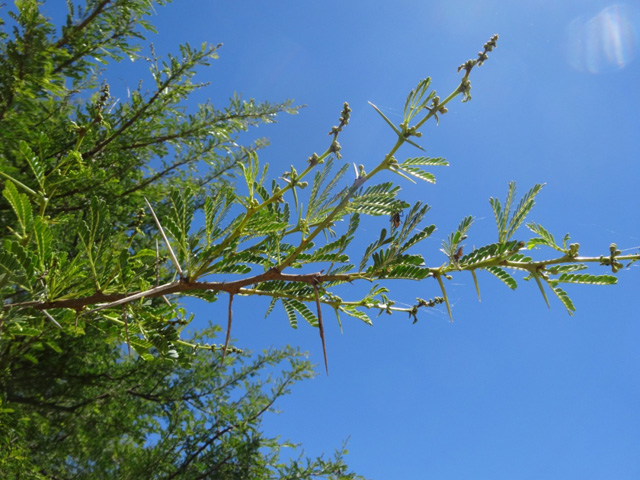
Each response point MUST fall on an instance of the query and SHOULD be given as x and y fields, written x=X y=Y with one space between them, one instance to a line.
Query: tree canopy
x=113 y=211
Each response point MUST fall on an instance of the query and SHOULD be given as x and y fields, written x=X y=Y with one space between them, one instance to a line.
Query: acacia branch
x=109 y=300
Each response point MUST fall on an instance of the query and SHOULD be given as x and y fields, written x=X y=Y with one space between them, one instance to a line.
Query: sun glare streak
x=604 y=42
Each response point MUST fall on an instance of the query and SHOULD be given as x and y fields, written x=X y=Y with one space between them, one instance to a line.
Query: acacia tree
x=100 y=244
x=73 y=402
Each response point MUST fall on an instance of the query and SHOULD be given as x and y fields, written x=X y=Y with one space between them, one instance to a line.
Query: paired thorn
x=226 y=340
x=321 y=327
x=544 y=295
x=126 y=327
x=166 y=240
x=475 y=282
x=444 y=294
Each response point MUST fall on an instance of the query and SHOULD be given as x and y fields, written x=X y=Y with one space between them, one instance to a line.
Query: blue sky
x=511 y=389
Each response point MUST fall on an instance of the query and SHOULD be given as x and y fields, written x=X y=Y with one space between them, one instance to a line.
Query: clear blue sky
x=510 y=390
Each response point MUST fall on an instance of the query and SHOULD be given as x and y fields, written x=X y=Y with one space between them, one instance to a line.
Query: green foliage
x=508 y=219
x=92 y=411
x=123 y=392
x=102 y=236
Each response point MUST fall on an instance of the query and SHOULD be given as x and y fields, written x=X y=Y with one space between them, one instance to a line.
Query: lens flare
x=604 y=42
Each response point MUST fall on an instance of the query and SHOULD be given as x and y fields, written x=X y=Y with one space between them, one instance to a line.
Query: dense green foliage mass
x=73 y=402
x=101 y=239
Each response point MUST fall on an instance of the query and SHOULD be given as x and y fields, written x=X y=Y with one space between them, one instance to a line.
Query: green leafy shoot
x=586 y=279
x=92 y=234
x=178 y=222
x=293 y=306
x=215 y=211
x=503 y=276
x=564 y=298
x=557 y=269
x=322 y=198
x=410 y=224
x=377 y=200
x=489 y=253
x=250 y=171
x=373 y=246
x=417 y=100
x=34 y=163
x=545 y=238
x=507 y=219
x=451 y=244
x=346 y=239
x=21 y=207
x=411 y=167
x=352 y=311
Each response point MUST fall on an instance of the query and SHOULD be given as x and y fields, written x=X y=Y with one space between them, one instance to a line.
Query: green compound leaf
x=326 y=257
x=417 y=100
x=587 y=279
x=321 y=198
x=507 y=279
x=21 y=207
x=291 y=312
x=264 y=222
x=410 y=166
x=507 y=220
x=354 y=312
x=305 y=312
x=229 y=267
x=424 y=161
x=564 y=298
x=544 y=237
x=450 y=245
x=490 y=252
x=522 y=210
x=34 y=162
x=9 y=268
x=555 y=269
x=215 y=211
x=22 y=274
x=418 y=237
x=182 y=209
x=408 y=272
x=376 y=205
x=294 y=307
x=91 y=231
x=372 y=247
x=43 y=242
x=419 y=173
x=251 y=170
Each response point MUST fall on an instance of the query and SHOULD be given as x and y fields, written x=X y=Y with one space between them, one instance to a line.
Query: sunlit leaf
x=21 y=206
x=564 y=298
x=354 y=312
x=507 y=279
x=587 y=279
